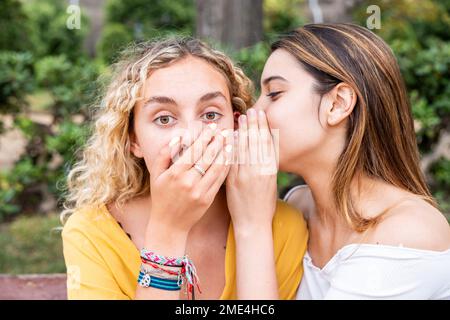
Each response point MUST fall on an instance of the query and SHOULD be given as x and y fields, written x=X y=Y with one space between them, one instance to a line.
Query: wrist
x=165 y=239
x=249 y=230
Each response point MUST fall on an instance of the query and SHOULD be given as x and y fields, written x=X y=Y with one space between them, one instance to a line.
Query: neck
x=320 y=184
x=370 y=196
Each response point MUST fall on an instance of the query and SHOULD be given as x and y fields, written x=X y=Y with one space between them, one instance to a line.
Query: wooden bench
x=33 y=287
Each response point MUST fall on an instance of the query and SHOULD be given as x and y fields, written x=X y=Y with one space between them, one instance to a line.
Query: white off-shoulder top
x=371 y=271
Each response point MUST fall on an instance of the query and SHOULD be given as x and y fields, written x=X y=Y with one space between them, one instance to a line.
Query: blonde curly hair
x=107 y=170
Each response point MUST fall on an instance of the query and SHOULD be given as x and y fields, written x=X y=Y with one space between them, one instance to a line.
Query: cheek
x=151 y=141
x=299 y=129
x=226 y=122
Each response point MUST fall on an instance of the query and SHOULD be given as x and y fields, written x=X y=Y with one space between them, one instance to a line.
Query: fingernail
x=228 y=148
x=242 y=119
x=251 y=112
x=213 y=126
x=174 y=141
x=225 y=133
x=262 y=113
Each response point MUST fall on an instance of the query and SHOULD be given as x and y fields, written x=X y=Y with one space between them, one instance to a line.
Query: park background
x=50 y=62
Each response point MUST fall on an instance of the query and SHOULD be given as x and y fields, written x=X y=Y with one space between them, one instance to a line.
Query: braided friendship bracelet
x=161 y=260
x=158 y=267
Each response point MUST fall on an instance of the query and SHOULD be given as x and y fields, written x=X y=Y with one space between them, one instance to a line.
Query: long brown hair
x=381 y=141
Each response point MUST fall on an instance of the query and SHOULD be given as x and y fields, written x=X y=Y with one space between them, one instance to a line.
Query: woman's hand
x=251 y=197
x=180 y=193
x=252 y=181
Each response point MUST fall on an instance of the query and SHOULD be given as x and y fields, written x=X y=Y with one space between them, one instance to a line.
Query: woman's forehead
x=188 y=75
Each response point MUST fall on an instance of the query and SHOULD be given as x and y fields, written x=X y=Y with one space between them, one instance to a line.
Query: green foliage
x=16 y=184
x=441 y=170
x=282 y=16
x=31 y=245
x=65 y=144
x=137 y=20
x=16 y=80
x=44 y=165
x=114 y=38
x=252 y=60
x=9 y=188
x=150 y=15
x=427 y=76
x=72 y=85
x=55 y=64
x=13 y=26
x=441 y=174
x=50 y=36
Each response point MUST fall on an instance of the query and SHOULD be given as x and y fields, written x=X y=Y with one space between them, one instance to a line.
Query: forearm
x=164 y=242
x=255 y=263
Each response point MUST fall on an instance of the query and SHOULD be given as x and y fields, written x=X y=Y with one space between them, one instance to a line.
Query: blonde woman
x=336 y=95
x=151 y=212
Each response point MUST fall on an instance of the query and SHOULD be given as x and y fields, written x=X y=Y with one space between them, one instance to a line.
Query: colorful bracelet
x=160 y=273
x=161 y=260
x=187 y=275
x=159 y=267
x=146 y=280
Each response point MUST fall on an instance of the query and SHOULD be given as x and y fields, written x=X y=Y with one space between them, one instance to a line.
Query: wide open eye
x=211 y=116
x=165 y=120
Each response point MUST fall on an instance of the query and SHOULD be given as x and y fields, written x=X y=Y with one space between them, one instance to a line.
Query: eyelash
x=213 y=112
x=272 y=95
x=162 y=124
x=166 y=125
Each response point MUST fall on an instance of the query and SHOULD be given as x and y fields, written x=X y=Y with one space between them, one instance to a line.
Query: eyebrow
x=271 y=78
x=168 y=100
x=160 y=99
x=211 y=95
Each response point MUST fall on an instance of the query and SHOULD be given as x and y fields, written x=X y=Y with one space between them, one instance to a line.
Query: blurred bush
x=16 y=80
x=137 y=20
x=71 y=84
x=115 y=36
x=55 y=63
x=13 y=26
x=49 y=35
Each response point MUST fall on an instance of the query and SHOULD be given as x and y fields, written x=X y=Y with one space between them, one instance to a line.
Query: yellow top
x=103 y=263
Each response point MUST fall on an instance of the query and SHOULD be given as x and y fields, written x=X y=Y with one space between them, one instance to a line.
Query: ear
x=343 y=100
x=135 y=148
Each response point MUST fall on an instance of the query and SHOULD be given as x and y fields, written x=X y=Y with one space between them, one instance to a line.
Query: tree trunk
x=236 y=23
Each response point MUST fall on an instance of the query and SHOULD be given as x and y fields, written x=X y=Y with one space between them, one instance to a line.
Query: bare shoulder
x=414 y=224
x=300 y=197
